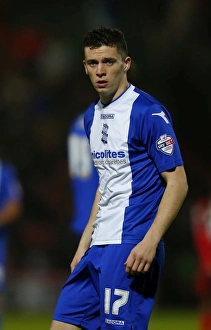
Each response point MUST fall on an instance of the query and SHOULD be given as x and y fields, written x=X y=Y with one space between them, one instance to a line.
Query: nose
x=100 y=70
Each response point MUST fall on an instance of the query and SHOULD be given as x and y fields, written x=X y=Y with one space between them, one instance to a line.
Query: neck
x=108 y=98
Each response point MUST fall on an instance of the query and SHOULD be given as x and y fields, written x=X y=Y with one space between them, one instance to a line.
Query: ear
x=85 y=68
x=127 y=64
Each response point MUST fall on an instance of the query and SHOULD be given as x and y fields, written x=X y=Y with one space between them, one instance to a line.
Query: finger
x=147 y=267
x=127 y=270
x=128 y=267
x=134 y=268
x=143 y=268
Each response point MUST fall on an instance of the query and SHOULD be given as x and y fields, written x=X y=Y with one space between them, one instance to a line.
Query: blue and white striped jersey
x=132 y=141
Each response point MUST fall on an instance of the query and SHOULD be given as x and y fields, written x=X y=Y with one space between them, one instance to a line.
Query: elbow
x=185 y=189
x=184 y=184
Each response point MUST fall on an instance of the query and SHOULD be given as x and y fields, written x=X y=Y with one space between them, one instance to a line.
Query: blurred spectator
x=55 y=61
x=83 y=176
x=10 y=210
x=201 y=228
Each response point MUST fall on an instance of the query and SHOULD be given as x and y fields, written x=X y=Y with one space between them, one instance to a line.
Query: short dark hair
x=108 y=37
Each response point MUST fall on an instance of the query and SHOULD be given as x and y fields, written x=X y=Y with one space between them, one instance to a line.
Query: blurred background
x=43 y=87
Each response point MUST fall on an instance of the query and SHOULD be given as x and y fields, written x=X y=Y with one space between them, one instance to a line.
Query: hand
x=140 y=258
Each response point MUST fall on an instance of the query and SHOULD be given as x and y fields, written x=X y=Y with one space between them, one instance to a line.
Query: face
x=107 y=71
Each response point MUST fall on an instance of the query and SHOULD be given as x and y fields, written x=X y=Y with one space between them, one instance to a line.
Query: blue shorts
x=100 y=295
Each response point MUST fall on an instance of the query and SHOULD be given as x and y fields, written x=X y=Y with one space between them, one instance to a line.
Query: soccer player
x=11 y=195
x=83 y=175
x=201 y=229
x=142 y=186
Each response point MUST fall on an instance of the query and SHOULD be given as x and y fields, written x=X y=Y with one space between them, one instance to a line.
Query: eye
x=109 y=62
x=92 y=64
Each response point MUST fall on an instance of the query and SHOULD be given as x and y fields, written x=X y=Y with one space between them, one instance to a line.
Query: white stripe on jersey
x=112 y=162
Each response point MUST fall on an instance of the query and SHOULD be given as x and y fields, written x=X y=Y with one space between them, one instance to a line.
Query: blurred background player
x=201 y=229
x=83 y=175
x=11 y=196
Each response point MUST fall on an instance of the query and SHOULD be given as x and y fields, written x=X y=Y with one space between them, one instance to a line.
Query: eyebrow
x=105 y=59
x=109 y=59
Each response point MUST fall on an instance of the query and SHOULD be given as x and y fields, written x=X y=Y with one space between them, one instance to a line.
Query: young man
x=117 y=266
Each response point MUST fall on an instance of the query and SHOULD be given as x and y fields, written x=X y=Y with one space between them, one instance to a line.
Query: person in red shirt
x=201 y=229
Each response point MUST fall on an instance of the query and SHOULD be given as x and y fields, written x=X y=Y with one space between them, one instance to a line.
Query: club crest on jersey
x=165 y=144
x=104 y=134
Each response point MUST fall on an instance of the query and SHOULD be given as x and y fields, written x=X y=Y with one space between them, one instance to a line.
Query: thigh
x=127 y=301
x=78 y=303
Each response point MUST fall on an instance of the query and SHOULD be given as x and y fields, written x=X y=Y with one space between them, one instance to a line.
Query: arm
x=144 y=252
x=87 y=234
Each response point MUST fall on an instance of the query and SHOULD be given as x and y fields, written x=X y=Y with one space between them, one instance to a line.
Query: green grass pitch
x=161 y=320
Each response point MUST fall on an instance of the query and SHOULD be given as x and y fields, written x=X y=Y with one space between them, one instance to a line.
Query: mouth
x=101 y=83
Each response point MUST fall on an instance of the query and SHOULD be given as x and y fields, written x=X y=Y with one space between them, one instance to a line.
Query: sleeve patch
x=165 y=143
